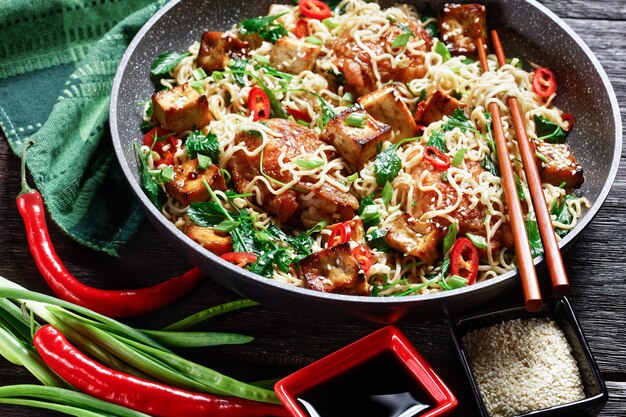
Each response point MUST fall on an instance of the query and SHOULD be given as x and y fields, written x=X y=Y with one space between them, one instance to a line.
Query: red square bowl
x=348 y=381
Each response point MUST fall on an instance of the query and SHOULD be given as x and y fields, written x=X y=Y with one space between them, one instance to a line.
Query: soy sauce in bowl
x=378 y=387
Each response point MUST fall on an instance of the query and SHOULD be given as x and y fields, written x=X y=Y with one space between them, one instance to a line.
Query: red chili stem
x=149 y=397
x=112 y=303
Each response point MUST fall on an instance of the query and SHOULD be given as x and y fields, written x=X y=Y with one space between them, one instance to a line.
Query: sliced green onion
x=387 y=193
x=204 y=161
x=227 y=225
x=450 y=238
x=199 y=74
x=442 y=50
x=310 y=163
x=370 y=214
x=226 y=174
x=562 y=185
x=456 y=281
x=458 y=157
x=262 y=59
x=167 y=174
x=349 y=97
x=542 y=157
x=331 y=23
x=478 y=241
x=198 y=86
x=352 y=177
x=313 y=40
x=217 y=76
x=444 y=176
x=356 y=120
x=303 y=123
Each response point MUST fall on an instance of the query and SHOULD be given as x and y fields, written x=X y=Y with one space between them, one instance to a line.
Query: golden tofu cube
x=293 y=55
x=180 y=108
x=438 y=105
x=356 y=145
x=206 y=237
x=386 y=106
x=334 y=270
x=416 y=238
x=460 y=25
x=557 y=164
x=187 y=186
x=217 y=48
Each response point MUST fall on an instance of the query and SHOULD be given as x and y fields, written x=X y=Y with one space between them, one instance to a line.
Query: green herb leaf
x=387 y=193
x=563 y=215
x=548 y=131
x=310 y=163
x=438 y=141
x=199 y=143
x=534 y=238
x=477 y=240
x=166 y=62
x=206 y=214
x=387 y=165
x=442 y=50
x=430 y=28
x=238 y=69
x=520 y=187
x=150 y=186
x=488 y=165
x=458 y=157
x=450 y=238
x=356 y=120
x=227 y=226
x=403 y=38
x=376 y=240
x=264 y=26
x=458 y=119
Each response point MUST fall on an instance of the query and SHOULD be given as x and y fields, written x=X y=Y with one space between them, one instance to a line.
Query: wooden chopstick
x=560 y=282
x=530 y=285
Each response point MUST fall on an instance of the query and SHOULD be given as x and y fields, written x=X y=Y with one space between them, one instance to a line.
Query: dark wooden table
x=286 y=342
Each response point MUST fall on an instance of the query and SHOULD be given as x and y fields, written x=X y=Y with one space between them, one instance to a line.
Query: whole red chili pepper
x=149 y=397
x=112 y=303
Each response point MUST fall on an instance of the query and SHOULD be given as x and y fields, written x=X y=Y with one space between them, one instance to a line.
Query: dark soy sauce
x=380 y=387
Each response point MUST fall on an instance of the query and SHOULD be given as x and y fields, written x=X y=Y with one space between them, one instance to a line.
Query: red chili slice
x=315 y=9
x=464 y=260
x=299 y=115
x=439 y=160
x=421 y=108
x=340 y=234
x=363 y=257
x=259 y=104
x=302 y=28
x=240 y=259
x=167 y=158
x=569 y=118
x=163 y=138
x=544 y=82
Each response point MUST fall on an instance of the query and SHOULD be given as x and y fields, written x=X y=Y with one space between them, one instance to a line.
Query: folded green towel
x=57 y=62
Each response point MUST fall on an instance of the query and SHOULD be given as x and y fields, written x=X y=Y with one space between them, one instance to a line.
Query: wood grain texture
x=285 y=342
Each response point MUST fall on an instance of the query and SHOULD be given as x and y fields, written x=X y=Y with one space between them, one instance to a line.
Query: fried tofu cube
x=386 y=106
x=356 y=145
x=334 y=270
x=180 y=108
x=206 y=237
x=557 y=164
x=460 y=25
x=217 y=48
x=293 y=56
x=438 y=105
x=416 y=238
x=187 y=186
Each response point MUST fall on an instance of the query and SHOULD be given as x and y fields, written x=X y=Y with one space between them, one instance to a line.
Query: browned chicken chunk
x=334 y=270
x=557 y=164
x=386 y=106
x=438 y=105
x=209 y=239
x=416 y=238
x=180 y=108
x=470 y=215
x=187 y=186
x=356 y=145
x=460 y=25
x=293 y=55
x=217 y=48
x=295 y=205
x=356 y=62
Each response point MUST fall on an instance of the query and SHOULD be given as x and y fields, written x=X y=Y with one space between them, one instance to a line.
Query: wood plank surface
x=286 y=342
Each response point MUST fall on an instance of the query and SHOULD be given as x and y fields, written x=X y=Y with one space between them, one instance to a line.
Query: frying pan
x=527 y=29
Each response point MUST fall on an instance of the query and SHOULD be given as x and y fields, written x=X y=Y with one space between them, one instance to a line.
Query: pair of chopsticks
x=530 y=285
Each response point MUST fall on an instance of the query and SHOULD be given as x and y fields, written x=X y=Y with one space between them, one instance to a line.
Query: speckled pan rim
x=358 y=301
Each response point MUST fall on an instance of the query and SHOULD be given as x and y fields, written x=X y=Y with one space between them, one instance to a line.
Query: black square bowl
x=596 y=394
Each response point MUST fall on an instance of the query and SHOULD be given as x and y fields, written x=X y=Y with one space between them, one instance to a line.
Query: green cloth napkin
x=57 y=63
